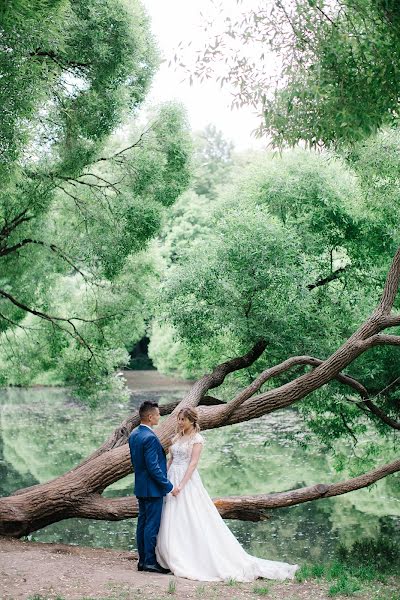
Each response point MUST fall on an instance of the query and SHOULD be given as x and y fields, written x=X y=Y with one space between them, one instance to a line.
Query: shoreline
x=53 y=571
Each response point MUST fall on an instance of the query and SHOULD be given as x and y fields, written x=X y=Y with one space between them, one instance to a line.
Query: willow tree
x=320 y=71
x=78 y=493
x=79 y=198
x=295 y=251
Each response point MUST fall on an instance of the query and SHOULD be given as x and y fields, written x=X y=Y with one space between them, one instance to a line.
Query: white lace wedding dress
x=194 y=541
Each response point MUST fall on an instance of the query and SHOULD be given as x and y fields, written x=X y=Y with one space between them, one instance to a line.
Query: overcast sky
x=179 y=20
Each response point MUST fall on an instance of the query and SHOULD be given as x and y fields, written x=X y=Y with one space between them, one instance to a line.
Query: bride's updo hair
x=192 y=415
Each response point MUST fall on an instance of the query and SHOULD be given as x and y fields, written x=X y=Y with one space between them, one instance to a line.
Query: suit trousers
x=148 y=525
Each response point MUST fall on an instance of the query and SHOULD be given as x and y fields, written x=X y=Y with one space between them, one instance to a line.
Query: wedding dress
x=193 y=540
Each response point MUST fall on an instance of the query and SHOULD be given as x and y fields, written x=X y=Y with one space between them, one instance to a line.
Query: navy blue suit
x=151 y=485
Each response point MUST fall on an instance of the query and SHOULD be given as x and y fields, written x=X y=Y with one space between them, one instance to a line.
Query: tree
x=336 y=67
x=78 y=493
x=79 y=200
x=188 y=220
x=213 y=161
x=252 y=246
x=294 y=253
x=276 y=217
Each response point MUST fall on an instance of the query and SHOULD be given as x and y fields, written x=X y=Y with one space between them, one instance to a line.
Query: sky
x=179 y=20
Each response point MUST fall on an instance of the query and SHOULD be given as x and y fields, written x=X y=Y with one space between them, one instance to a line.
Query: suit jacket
x=149 y=462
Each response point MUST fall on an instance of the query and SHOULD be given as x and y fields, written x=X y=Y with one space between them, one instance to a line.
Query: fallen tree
x=78 y=493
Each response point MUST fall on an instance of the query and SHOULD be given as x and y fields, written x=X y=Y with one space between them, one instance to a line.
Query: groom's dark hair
x=146 y=408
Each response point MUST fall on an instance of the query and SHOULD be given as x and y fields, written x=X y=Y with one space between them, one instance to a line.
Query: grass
x=200 y=590
x=344 y=586
x=261 y=590
x=39 y=597
x=367 y=562
x=171 y=589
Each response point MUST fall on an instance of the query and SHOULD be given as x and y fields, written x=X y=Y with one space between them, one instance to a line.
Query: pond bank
x=50 y=571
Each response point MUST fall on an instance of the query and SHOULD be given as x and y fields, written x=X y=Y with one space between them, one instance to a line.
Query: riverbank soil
x=33 y=570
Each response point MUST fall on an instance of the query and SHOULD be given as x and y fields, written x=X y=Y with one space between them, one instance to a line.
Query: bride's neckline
x=185 y=438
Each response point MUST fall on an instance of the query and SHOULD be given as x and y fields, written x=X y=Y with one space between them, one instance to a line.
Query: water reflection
x=44 y=433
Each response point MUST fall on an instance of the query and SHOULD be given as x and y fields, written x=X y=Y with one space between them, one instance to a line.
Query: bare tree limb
x=378 y=412
x=324 y=280
x=54 y=320
x=391 y=321
x=381 y=339
x=248 y=507
x=134 y=145
x=391 y=286
x=9 y=226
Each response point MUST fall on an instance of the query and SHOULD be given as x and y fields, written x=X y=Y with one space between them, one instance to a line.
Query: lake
x=44 y=433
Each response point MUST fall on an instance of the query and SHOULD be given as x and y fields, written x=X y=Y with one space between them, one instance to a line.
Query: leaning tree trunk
x=78 y=493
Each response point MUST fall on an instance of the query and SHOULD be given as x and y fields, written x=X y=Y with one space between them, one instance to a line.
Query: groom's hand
x=176 y=490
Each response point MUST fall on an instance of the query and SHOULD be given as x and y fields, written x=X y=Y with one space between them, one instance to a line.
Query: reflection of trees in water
x=119 y=535
x=43 y=434
x=291 y=534
x=10 y=478
x=309 y=532
x=300 y=533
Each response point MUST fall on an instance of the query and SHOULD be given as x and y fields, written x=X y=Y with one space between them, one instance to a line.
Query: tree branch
x=54 y=320
x=391 y=286
x=324 y=280
x=120 y=152
x=209 y=381
x=250 y=507
x=391 y=321
x=10 y=249
x=59 y=60
x=268 y=501
x=8 y=227
x=381 y=339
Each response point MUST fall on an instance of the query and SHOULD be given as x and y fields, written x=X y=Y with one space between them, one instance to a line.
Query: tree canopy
x=293 y=250
x=80 y=198
x=336 y=66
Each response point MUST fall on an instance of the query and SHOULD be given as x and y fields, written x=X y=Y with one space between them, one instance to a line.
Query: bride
x=193 y=540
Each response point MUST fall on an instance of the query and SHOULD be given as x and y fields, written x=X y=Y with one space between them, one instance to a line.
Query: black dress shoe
x=140 y=566
x=156 y=568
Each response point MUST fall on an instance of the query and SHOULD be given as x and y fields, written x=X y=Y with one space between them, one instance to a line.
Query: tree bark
x=78 y=492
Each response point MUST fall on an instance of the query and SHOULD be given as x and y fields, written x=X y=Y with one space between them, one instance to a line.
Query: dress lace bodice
x=194 y=541
x=181 y=450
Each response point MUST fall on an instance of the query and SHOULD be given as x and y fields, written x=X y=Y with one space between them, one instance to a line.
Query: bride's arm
x=194 y=459
x=171 y=456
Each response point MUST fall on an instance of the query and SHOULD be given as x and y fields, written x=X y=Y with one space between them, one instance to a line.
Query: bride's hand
x=176 y=490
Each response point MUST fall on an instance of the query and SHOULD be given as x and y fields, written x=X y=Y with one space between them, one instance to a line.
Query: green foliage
x=171 y=589
x=293 y=250
x=212 y=162
x=344 y=586
x=381 y=554
x=336 y=67
x=356 y=567
x=262 y=244
x=66 y=80
x=80 y=199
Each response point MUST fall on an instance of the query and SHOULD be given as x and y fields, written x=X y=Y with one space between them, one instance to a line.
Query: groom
x=151 y=484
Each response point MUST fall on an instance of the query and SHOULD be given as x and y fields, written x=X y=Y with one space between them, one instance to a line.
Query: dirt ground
x=58 y=571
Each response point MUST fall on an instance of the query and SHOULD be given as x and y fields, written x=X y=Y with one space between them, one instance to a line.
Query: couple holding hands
x=179 y=529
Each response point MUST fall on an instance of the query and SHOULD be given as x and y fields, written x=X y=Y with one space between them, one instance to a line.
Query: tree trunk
x=78 y=492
